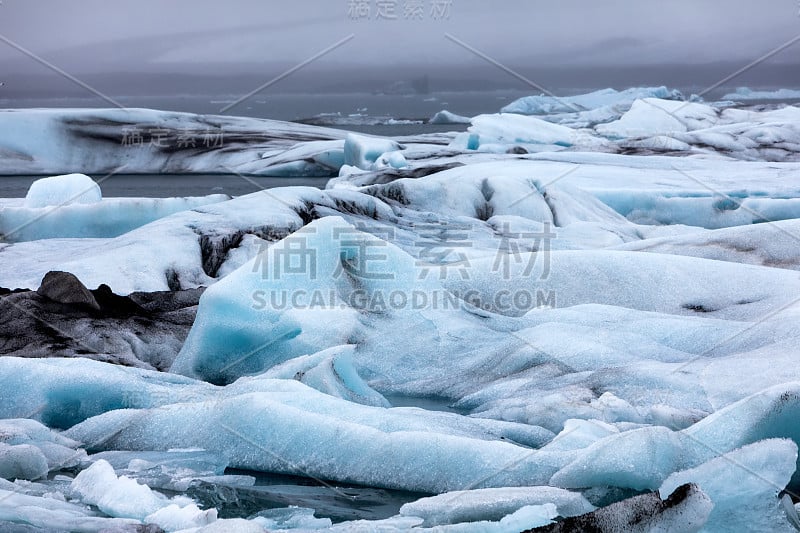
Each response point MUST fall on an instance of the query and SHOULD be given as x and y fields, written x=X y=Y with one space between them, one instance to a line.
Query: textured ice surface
x=653 y=116
x=100 y=141
x=653 y=349
x=122 y=497
x=743 y=485
x=493 y=504
x=332 y=372
x=403 y=448
x=446 y=117
x=52 y=514
x=109 y=217
x=686 y=510
x=745 y=93
x=498 y=132
x=363 y=152
x=68 y=189
x=547 y=105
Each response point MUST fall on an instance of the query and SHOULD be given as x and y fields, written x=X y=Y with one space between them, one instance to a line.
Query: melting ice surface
x=579 y=320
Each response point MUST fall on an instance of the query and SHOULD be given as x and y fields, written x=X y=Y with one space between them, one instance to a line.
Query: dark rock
x=686 y=509
x=144 y=330
x=65 y=288
x=114 y=305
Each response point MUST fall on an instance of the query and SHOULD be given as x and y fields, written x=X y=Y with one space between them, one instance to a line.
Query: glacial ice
x=640 y=459
x=48 y=141
x=68 y=189
x=492 y=504
x=332 y=372
x=634 y=371
x=105 y=218
x=22 y=461
x=258 y=433
x=745 y=93
x=497 y=132
x=549 y=105
x=363 y=152
x=652 y=116
x=743 y=485
x=49 y=513
x=446 y=117
x=122 y=497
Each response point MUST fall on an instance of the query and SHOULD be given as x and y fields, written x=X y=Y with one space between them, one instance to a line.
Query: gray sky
x=191 y=35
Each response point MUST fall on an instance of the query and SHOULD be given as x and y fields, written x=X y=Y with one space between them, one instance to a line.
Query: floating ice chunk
x=546 y=105
x=767 y=414
x=493 y=504
x=743 y=486
x=304 y=431
x=349 y=170
x=509 y=129
x=658 y=143
x=170 y=470
x=122 y=497
x=102 y=219
x=27 y=431
x=52 y=514
x=63 y=190
x=640 y=459
x=651 y=117
x=239 y=525
x=393 y=159
x=446 y=117
x=332 y=372
x=22 y=461
x=291 y=518
x=745 y=93
x=174 y=517
x=119 y=497
x=362 y=151
x=24 y=442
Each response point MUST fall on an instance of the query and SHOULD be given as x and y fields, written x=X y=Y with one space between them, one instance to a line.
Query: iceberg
x=122 y=497
x=63 y=190
x=446 y=117
x=548 y=105
x=110 y=217
x=745 y=93
x=95 y=141
x=653 y=116
x=257 y=432
x=743 y=486
x=493 y=504
x=363 y=152
x=488 y=132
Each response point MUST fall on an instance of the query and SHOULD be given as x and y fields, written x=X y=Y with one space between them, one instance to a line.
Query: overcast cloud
x=141 y=35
